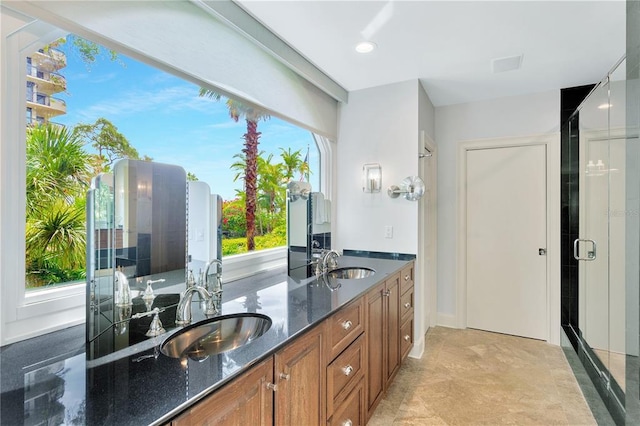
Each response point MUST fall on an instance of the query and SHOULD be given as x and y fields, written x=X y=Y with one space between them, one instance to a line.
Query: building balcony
x=46 y=106
x=50 y=59
x=46 y=81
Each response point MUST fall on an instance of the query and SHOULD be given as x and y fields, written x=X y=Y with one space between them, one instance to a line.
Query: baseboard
x=447 y=320
x=418 y=348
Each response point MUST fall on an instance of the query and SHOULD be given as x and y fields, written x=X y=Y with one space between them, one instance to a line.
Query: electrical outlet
x=388 y=231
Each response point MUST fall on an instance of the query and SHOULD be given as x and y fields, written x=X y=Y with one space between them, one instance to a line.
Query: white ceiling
x=450 y=45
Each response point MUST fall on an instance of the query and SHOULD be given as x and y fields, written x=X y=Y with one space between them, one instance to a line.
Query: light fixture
x=365 y=47
x=411 y=187
x=604 y=106
x=371 y=177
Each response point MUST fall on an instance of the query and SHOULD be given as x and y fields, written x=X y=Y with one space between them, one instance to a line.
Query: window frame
x=25 y=314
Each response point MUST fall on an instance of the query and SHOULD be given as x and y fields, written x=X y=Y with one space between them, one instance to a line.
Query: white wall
x=383 y=125
x=378 y=125
x=505 y=117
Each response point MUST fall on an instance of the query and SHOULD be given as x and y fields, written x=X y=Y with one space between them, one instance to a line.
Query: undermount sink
x=215 y=335
x=351 y=273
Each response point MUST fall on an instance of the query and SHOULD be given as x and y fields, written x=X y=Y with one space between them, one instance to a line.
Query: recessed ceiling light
x=365 y=47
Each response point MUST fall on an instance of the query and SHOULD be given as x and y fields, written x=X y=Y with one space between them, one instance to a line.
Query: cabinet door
x=392 y=296
x=244 y=401
x=376 y=358
x=300 y=370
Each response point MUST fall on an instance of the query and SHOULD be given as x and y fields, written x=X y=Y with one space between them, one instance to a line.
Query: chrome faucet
x=217 y=287
x=183 y=313
x=329 y=261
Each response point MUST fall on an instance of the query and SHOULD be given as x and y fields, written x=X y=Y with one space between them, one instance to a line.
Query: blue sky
x=163 y=117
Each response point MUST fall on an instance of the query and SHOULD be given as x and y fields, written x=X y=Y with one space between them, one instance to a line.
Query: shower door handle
x=591 y=254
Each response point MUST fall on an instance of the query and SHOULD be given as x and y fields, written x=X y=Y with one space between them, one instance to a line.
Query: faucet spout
x=330 y=261
x=183 y=313
x=217 y=287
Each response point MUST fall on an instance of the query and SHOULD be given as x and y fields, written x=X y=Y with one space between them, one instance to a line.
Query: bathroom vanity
x=332 y=344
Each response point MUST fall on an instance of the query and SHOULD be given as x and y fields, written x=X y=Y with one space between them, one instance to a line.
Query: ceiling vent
x=506 y=64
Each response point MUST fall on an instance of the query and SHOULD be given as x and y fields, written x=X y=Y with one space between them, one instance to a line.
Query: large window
x=156 y=34
x=117 y=107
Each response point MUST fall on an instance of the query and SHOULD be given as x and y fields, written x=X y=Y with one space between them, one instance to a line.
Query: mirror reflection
x=137 y=221
x=308 y=228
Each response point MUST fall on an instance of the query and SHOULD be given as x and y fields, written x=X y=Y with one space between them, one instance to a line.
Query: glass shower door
x=602 y=231
x=592 y=246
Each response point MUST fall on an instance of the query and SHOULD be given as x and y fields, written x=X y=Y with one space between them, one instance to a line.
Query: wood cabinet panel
x=376 y=358
x=407 y=277
x=352 y=411
x=344 y=372
x=392 y=294
x=344 y=326
x=300 y=374
x=244 y=401
x=406 y=338
x=406 y=304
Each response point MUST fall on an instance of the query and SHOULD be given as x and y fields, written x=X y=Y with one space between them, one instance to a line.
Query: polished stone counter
x=48 y=378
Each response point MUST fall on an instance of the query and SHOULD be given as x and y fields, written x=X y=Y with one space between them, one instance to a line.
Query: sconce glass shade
x=371 y=177
x=411 y=188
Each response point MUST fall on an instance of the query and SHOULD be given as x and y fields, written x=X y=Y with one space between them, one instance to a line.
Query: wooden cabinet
x=344 y=326
x=406 y=310
x=334 y=374
x=383 y=338
x=300 y=375
x=247 y=400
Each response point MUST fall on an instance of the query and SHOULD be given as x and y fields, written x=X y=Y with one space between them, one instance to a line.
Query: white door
x=506 y=240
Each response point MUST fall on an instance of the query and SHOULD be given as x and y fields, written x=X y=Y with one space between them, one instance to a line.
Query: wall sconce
x=411 y=187
x=371 y=177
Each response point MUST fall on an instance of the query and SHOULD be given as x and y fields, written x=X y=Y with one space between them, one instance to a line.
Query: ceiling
x=450 y=45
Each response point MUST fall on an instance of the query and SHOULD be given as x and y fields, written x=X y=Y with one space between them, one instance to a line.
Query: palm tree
x=57 y=166
x=252 y=116
x=270 y=187
x=293 y=163
x=57 y=178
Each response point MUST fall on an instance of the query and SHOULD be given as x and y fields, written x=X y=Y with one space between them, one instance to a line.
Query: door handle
x=591 y=254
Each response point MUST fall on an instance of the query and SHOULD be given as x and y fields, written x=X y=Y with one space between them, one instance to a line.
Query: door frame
x=552 y=144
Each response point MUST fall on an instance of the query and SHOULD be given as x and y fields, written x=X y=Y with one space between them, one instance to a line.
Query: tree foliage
x=111 y=145
x=252 y=116
x=58 y=174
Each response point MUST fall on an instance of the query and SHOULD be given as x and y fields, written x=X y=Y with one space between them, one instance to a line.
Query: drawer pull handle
x=407 y=337
x=272 y=386
x=347 y=370
x=285 y=376
x=347 y=325
x=347 y=422
x=406 y=277
x=407 y=305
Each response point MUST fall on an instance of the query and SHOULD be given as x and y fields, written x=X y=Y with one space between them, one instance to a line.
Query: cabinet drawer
x=406 y=278
x=345 y=371
x=406 y=305
x=351 y=412
x=406 y=338
x=344 y=326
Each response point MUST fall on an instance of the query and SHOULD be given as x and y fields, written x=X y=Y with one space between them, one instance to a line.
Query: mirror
x=308 y=228
x=137 y=221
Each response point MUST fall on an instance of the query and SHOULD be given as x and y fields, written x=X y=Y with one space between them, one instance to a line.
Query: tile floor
x=472 y=377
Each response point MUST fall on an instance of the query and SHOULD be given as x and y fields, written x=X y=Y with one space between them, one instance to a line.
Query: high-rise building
x=42 y=82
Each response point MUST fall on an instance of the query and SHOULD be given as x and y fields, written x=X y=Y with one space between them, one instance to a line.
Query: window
x=29 y=314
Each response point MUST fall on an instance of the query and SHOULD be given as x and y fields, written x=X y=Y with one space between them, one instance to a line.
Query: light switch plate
x=388 y=231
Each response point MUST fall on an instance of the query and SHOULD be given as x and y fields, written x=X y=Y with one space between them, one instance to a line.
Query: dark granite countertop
x=49 y=377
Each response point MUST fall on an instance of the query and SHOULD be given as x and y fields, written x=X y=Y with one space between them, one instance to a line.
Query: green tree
x=271 y=191
x=57 y=178
x=293 y=163
x=57 y=166
x=252 y=116
x=111 y=145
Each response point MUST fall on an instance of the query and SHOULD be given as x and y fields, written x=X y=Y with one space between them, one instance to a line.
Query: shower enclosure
x=601 y=162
